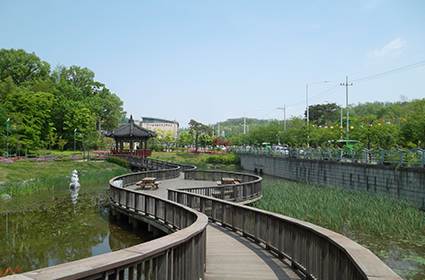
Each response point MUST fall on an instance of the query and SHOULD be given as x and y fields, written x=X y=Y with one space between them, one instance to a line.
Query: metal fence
x=413 y=157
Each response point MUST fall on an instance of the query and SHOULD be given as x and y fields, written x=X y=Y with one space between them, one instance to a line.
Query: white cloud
x=392 y=47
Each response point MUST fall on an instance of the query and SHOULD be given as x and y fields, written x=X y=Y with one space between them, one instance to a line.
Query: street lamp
x=308 y=115
x=16 y=129
x=7 y=137
x=75 y=134
x=244 y=120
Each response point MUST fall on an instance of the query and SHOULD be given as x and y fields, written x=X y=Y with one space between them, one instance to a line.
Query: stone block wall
x=403 y=182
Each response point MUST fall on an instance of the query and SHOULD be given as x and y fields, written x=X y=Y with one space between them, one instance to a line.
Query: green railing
x=413 y=157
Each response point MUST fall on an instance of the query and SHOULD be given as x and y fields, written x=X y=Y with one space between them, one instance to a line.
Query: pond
x=62 y=226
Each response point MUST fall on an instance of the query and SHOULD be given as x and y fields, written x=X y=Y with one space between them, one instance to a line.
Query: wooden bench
x=148 y=181
x=229 y=181
x=218 y=194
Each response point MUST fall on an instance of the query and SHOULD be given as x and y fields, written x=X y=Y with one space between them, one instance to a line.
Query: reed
x=344 y=211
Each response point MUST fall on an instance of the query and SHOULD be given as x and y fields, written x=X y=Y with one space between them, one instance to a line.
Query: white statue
x=74 y=179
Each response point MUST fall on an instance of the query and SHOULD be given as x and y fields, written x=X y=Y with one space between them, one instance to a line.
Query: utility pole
x=284 y=115
x=346 y=84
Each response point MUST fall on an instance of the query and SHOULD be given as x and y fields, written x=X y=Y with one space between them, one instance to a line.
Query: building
x=155 y=123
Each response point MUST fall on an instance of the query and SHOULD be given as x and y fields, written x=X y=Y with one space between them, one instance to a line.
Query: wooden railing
x=138 y=153
x=247 y=191
x=317 y=252
x=155 y=164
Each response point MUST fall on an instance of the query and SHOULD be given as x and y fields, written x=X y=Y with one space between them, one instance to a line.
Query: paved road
x=229 y=255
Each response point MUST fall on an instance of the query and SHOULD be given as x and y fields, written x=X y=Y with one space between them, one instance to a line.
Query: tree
x=413 y=127
x=31 y=112
x=84 y=121
x=76 y=89
x=22 y=67
x=205 y=140
x=108 y=109
x=199 y=128
x=324 y=114
x=165 y=137
x=82 y=79
x=186 y=138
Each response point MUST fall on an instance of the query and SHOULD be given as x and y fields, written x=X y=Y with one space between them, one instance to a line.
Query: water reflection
x=74 y=194
x=53 y=233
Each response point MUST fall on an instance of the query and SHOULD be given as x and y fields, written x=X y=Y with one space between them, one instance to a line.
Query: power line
x=372 y=77
x=366 y=79
x=391 y=72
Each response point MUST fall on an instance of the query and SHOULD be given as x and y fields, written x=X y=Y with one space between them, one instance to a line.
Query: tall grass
x=85 y=179
x=25 y=178
x=344 y=211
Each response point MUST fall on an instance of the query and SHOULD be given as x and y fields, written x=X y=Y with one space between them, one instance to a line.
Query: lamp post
x=307 y=108
x=244 y=120
x=16 y=129
x=7 y=137
x=75 y=134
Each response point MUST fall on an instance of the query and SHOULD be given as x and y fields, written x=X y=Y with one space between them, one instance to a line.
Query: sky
x=216 y=60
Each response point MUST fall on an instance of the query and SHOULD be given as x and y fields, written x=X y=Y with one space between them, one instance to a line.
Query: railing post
x=382 y=157
x=423 y=158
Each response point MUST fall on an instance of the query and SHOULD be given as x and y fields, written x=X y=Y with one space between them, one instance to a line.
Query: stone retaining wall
x=407 y=183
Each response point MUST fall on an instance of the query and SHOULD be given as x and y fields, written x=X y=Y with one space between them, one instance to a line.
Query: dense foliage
x=375 y=125
x=41 y=108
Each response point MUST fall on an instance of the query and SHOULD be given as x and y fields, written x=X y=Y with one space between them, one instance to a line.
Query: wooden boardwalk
x=229 y=255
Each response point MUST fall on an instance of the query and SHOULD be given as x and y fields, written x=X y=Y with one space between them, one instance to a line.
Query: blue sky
x=215 y=60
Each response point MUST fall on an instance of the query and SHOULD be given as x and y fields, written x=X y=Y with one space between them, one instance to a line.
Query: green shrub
x=223 y=159
x=156 y=148
x=217 y=159
x=119 y=161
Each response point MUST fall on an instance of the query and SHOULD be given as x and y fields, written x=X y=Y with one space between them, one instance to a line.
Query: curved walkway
x=229 y=255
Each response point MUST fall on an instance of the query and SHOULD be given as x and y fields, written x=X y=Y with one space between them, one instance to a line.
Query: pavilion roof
x=131 y=130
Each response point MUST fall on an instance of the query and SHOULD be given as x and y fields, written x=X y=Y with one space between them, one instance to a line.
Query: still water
x=63 y=227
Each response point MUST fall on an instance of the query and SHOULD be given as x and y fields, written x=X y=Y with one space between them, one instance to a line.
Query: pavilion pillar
x=121 y=144
x=131 y=144
x=116 y=144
